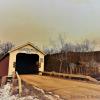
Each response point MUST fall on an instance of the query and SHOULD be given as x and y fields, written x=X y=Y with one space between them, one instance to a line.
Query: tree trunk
x=60 y=67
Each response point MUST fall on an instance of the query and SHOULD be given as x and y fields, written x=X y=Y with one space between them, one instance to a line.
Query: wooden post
x=19 y=84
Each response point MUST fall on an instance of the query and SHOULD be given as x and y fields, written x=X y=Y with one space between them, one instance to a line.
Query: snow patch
x=5 y=94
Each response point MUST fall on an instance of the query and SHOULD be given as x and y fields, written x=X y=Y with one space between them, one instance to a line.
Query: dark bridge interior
x=27 y=63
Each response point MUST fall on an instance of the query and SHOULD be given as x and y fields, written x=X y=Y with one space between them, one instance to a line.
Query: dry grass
x=67 y=89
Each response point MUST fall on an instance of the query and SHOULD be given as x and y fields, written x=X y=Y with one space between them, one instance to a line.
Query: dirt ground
x=67 y=89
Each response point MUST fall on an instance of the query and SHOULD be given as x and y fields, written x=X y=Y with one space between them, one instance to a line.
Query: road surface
x=67 y=89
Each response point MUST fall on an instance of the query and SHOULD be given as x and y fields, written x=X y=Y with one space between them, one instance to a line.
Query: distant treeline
x=86 y=63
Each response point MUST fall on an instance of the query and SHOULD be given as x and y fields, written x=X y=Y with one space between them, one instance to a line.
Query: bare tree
x=47 y=50
x=58 y=49
x=62 y=42
x=85 y=46
x=62 y=48
x=5 y=47
x=60 y=57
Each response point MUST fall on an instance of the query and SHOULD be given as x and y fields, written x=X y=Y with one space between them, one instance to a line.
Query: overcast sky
x=38 y=21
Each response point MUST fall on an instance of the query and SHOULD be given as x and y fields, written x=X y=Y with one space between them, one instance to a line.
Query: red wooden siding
x=4 y=64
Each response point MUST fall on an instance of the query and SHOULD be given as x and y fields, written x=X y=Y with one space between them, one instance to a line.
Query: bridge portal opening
x=27 y=63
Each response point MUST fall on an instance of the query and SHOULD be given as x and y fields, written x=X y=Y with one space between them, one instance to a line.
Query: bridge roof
x=28 y=43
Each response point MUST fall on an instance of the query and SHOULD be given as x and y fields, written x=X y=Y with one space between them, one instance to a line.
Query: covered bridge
x=25 y=59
